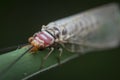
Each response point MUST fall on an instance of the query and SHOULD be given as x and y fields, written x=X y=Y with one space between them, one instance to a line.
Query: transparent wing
x=94 y=29
x=104 y=36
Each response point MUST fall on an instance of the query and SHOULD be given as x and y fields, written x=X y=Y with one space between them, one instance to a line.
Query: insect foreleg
x=44 y=59
x=59 y=56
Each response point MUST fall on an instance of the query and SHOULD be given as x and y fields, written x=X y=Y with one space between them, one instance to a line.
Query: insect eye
x=30 y=39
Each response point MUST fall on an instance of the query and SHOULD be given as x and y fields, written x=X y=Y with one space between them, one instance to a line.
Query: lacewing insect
x=95 y=29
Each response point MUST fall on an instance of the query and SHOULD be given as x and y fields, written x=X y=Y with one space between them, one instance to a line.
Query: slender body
x=95 y=28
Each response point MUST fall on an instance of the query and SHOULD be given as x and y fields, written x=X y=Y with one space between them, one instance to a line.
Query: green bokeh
x=20 y=19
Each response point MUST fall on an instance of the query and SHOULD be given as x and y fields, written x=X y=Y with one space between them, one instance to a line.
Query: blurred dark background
x=21 y=19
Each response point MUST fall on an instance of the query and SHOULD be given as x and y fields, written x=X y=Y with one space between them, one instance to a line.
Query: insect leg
x=45 y=58
x=59 y=56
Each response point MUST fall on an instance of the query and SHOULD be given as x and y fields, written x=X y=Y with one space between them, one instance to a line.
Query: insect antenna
x=14 y=62
x=3 y=50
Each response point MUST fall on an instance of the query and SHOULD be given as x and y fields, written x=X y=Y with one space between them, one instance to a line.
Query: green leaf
x=29 y=64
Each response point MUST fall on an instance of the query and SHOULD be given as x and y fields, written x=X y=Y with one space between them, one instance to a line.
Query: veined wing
x=104 y=32
x=87 y=30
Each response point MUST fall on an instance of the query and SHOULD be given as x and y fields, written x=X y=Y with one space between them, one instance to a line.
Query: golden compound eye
x=30 y=39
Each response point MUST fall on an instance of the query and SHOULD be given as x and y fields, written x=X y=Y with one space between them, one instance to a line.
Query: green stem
x=29 y=64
